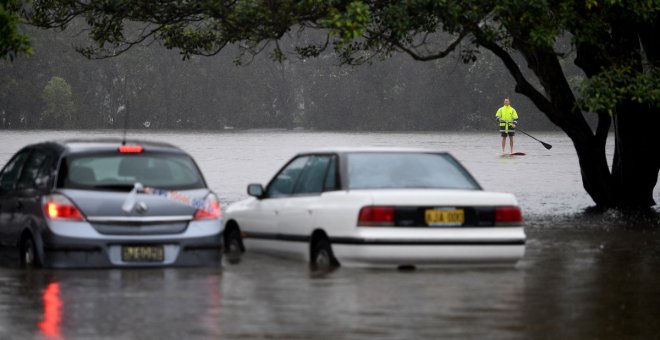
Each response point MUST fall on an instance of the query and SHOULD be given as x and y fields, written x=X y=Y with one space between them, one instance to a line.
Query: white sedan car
x=377 y=207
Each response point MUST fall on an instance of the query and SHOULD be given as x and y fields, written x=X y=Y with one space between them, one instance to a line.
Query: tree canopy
x=12 y=41
x=361 y=30
x=58 y=100
x=615 y=43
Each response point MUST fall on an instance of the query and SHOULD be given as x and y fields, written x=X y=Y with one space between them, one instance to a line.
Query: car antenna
x=125 y=107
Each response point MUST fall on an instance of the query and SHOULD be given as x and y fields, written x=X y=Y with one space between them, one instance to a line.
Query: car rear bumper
x=482 y=247
x=60 y=252
x=199 y=245
x=431 y=256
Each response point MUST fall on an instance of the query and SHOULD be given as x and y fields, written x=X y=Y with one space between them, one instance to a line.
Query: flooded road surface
x=582 y=276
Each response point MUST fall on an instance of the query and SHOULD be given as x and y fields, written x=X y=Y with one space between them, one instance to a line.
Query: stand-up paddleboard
x=509 y=155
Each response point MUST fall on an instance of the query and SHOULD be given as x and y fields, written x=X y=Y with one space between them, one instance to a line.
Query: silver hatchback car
x=104 y=203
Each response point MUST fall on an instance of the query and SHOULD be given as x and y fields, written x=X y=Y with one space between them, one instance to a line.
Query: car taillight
x=58 y=207
x=376 y=216
x=210 y=210
x=131 y=149
x=508 y=215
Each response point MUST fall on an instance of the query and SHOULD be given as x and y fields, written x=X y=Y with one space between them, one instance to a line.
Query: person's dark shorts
x=510 y=133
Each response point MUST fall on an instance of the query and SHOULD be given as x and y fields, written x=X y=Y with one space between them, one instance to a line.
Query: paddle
x=546 y=145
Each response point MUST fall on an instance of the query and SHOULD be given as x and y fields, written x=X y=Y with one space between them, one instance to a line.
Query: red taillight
x=211 y=209
x=510 y=214
x=58 y=207
x=131 y=149
x=376 y=216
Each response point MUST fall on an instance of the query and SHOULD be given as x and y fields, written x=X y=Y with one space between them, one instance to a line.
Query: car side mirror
x=256 y=190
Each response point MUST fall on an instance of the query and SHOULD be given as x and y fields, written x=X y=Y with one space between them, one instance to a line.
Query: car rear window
x=384 y=170
x=120 y=172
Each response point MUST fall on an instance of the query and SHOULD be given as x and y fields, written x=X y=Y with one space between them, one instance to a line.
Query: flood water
x=583 y=276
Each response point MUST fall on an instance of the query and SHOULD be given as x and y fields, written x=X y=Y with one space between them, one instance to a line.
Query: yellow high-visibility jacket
x=506 y=115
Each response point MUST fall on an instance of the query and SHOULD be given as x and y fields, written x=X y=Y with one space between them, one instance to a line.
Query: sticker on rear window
x=129 y=203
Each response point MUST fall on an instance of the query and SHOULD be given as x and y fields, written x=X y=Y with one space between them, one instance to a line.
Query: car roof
x=345 y=150
x=106 y=144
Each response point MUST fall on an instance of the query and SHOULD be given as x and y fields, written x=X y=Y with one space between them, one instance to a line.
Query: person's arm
x=498 y=115
x=515 y=118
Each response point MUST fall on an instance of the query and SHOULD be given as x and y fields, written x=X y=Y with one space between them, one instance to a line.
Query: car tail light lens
x=508 y=215
x=58 y=207
x=376 y=216
x=131 y=149
x=211 y=209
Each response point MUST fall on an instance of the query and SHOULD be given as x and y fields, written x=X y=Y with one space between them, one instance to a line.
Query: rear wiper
x=114 y=187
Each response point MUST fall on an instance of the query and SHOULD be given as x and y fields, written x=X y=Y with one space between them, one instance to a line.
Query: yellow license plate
x=444 y=217
x=142 y=253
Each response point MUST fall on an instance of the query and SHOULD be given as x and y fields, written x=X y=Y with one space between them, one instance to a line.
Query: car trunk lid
x=150 y=213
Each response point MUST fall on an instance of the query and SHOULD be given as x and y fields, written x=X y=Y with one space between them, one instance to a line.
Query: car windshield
x=120 y=172
x=395 y=170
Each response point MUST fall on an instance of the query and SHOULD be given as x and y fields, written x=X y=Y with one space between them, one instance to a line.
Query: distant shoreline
x=299 y=129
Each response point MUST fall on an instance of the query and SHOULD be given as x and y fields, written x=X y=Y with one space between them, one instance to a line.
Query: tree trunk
x=565 y=112
x=637 y=154
x=636 y=162
x=596 y=177
x=637 y=157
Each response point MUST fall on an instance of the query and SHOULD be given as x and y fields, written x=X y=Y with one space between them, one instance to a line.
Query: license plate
x=142 y=253
x=444 y=217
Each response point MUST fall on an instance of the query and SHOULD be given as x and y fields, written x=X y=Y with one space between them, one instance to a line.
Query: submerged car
x=105 y=203
x=376 y=207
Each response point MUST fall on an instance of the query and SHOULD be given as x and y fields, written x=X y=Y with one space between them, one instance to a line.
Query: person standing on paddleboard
x=507 y=117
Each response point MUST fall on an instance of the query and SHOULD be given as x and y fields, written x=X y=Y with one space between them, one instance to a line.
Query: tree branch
x=523 y=86
x=94 y=53
x=439 y=55
x=603 y=129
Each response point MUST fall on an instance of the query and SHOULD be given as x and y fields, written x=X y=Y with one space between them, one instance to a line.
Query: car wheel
x=322 y=257
x=233 y=246
x=28 y=253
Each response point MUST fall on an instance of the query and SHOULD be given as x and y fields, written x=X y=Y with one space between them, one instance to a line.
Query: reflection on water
x=50 y=326
x=593 y=283
x=581 y=281
x=280 y=300
x=126 y=304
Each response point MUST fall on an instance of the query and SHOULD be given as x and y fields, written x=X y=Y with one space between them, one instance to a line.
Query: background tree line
x=58 y=88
